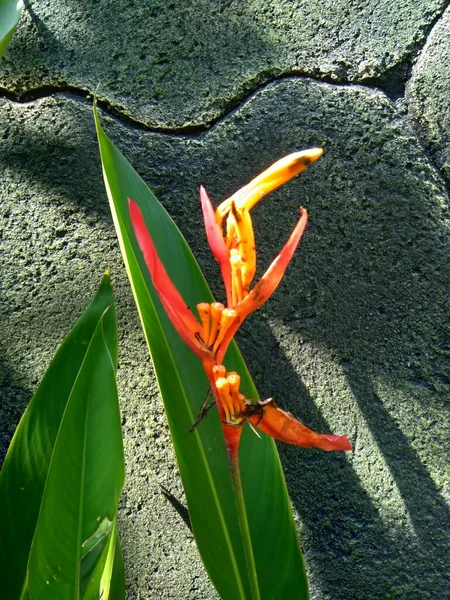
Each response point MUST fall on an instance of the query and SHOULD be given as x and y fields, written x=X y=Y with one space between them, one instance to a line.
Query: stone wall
x=355 y=340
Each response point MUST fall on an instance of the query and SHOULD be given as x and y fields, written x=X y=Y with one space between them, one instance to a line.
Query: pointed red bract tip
x=216 y=241
x=284 y=427
x=265 y=287
x=269 y=282
x=181 y=317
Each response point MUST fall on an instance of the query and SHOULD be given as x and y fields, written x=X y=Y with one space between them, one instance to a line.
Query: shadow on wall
x=373 y=524
x=369 y=284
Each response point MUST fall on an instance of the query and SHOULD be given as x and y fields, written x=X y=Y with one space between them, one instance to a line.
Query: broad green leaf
x=10 y=11
x=64 y=470
x=201 y=455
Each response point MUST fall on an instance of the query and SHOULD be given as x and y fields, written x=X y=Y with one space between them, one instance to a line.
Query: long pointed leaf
x=62 y=475
x=201 y=455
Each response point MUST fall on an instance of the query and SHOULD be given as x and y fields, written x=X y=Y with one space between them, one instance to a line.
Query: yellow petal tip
x=306 y=157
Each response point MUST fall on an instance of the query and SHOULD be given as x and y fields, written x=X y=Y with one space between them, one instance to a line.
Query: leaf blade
x=201 y=456
x=30 y=459
x=83 y=458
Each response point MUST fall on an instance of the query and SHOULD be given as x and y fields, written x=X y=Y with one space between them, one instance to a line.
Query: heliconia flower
x=235 y=251
x=235 y=410
x=208 y=337
x=236 y=254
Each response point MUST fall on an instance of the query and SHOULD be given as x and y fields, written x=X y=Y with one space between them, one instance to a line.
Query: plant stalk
x=242 y=518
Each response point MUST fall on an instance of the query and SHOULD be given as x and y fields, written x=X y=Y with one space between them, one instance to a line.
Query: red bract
x=285 y=427
x=216 y=241
x=187 y=326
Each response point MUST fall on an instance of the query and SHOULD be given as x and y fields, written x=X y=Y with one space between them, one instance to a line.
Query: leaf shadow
x=350 y=544
x=181 y=509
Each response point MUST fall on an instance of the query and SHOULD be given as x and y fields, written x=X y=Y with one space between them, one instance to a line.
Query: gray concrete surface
x=174 y=64
x=355 y=340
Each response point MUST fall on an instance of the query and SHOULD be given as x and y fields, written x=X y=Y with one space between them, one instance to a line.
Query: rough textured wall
x=356 y=339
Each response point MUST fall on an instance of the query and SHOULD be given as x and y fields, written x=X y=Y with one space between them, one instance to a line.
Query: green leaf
x=201 y=455
x=98 y=561
x=64 y=470
x=117 y=584
x=10 y=11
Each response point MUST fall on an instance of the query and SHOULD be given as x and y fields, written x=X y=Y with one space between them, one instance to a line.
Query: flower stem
x=242 y=518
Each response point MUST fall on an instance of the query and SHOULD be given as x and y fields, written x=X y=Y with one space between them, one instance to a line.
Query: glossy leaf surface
x=63 y=473
x=201 y=455
x=10 y=11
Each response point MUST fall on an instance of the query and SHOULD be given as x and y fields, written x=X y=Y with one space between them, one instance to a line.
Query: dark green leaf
x=64 y=470
x=201 y=455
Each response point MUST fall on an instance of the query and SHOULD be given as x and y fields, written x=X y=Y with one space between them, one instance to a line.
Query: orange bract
x=283 y=426
x=281 y=171
x=267 y=417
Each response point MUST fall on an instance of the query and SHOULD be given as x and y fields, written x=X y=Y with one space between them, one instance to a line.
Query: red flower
x=209 y=335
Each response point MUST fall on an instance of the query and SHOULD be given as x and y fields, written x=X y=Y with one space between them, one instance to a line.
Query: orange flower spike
x=236 y=252
x=283 y=426
x=281 y=171
x=181 y=317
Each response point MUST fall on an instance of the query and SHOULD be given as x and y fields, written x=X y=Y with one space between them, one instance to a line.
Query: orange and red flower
x=236 y=251
x=209 y=335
